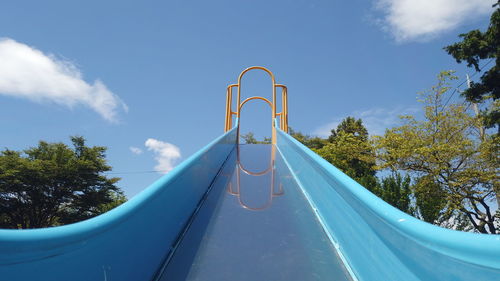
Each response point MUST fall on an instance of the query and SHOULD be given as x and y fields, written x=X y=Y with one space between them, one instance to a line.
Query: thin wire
x=121 y=173
x=463 y=82
x=133 y=172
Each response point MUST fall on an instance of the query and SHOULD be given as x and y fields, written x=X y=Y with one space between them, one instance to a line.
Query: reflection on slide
x=229 y=240
x=275 y=188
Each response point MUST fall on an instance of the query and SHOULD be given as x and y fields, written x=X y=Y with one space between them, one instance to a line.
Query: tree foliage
x=351 y=126
x=54 y=184
x=349 y=149
x=475 y=47
x=447 y=154
x=249 y=138
x=396 y=190
x=309 y=141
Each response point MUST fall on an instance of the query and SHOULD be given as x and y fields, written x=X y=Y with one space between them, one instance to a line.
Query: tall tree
x=53 y=184
x=475 y=47
x=395 y=190
x=349 y=149
x=446 y=149
x=350 y=125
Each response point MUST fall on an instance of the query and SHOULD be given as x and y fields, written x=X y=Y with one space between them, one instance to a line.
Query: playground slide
x=250 y=212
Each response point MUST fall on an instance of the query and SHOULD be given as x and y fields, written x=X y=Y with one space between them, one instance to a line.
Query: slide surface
x=255 y=224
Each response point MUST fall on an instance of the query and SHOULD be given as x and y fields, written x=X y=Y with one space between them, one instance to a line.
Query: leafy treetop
x=474 y=47
x=53 y=184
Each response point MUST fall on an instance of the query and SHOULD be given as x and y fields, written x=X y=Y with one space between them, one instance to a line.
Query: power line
x=120 y=173
x=132 y=172
x=463 y=82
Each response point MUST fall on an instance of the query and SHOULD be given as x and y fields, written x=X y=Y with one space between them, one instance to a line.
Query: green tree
x=350 y=125
x=430 y=199
x=249 y=138
x=446 y=149
x=53 y=184
x=349 y=149
x=475 y=47
x=395 y=190
x=117 y=198
x=309 y=141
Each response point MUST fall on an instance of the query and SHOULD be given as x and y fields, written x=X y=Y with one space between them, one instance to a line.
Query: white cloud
x=135 y=150
x=165 y=154
x=26 y=72
x=376 y=120
x=410 y=20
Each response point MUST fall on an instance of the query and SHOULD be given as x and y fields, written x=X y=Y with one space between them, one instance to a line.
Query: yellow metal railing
x=283 y=115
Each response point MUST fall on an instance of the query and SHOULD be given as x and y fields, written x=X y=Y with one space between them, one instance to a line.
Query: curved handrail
x=229 y=98
x=255 y=98
x=272 y=79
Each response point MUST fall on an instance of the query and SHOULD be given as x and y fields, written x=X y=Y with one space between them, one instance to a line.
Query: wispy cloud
x=26 y=72
x=165 y=154
x=376 y=120
x=135 y=150
x=411 y=20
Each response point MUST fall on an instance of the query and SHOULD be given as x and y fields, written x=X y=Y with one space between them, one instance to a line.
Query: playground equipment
x=251 y=212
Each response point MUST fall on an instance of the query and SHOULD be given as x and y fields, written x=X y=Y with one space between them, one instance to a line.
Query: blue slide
x=250 y=212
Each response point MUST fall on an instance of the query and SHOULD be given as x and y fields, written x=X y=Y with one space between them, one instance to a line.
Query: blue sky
x=151 y=75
